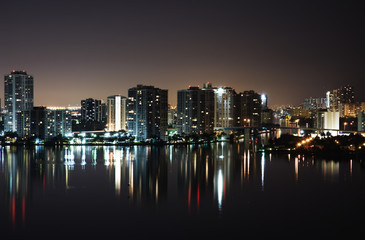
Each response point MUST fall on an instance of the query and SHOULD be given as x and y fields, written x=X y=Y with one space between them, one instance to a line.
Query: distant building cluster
x=201 y=110
x=337 y=110
x=144 y=114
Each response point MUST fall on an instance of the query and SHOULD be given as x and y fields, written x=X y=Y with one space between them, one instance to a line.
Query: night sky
x=89 y=48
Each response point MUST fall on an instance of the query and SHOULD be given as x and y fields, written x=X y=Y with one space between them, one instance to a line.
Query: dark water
x=183 y=192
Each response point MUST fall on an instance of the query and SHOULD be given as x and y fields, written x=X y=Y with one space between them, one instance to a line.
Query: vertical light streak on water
x=296 y=169
x=131 y=183
x=83 y=157
x=2 y=158
x=221 y=156
x=206 y=170
x=106 y=156
x=351 y=167
x=117 y=171
x=94 y=156
x=220 y=189
x=248 y=165
x=170 y=152
x=243 y=168
x=262 y=171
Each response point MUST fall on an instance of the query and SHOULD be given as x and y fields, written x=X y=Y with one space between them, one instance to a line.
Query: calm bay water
x=177 y=192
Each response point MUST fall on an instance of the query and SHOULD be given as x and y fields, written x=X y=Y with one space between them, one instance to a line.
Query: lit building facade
x=116 y=113
x=209 y=105
x=361 y=121
x=224 y=112
x=332 y=120
x=18 y=100
x=38 y=122
x=147 y=112
x=90 y=110
x=336 y=97
x=58 y=122
x=190 y=109
x=314 y=103
x=250 y=106
x=196 y=109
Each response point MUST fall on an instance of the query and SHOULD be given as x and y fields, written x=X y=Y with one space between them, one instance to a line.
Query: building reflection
x=16 y=171
x=193 y=174
x=138 y=173
x=330 y=170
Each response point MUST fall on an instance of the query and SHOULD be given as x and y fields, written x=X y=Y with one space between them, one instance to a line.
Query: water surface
x=219 y=190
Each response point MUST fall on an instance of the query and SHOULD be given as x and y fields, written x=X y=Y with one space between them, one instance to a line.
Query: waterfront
x=177 y=192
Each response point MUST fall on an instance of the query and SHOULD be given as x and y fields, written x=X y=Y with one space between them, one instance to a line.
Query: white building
x=116 y=113
x=18 y=102
x=224 y=107
x=332 y=121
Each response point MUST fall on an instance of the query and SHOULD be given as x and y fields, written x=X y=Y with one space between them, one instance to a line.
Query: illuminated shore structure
x=18 y=94
x=147 y=113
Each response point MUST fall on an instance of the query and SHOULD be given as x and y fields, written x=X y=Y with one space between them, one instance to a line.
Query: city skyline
x=199 y=86
x=287 y=50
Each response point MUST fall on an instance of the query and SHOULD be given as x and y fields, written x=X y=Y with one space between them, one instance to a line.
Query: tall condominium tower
x=18 y=98
x=346 y=94
x=251 y=104
x=340 y=96
x=209 y=103
x=190 y=111
x=90 y=110
x=224 y=109
x=58 y=122
x=116 y=113
x=147 y=112
x=195 y=110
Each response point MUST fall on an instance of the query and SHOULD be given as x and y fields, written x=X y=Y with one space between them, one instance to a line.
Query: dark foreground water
x=177 y=192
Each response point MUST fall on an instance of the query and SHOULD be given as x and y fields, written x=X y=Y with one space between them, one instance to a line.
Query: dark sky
x=89 y=48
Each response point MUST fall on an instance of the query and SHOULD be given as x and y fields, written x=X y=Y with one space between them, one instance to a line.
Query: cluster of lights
x=304 y=141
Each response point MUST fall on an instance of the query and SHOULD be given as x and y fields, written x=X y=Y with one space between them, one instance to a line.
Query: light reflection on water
x=195 y=178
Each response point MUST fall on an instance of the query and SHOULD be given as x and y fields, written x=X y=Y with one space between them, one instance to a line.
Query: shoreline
x=337 y=154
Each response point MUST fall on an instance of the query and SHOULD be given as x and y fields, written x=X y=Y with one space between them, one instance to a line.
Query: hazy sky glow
x=90 y=48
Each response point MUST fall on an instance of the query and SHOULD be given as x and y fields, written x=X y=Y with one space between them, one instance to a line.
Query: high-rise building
x=263 y=101
x=361 y=121
x=93 y=115
x=18 y=94
x=224 y=109
x=250 y=104
x=346 y=94
x=209 y=104
x=90 y=110
x=195 y=109
x=147 y=113
x=331 y=120
x=38 y=122
x=336 y=97
x=172 y=116
x=58 y=122
x=102 y=112
x=116 y=113
x=349 y=110
x=314 y=103
x=190 y=108
x=267 y=116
